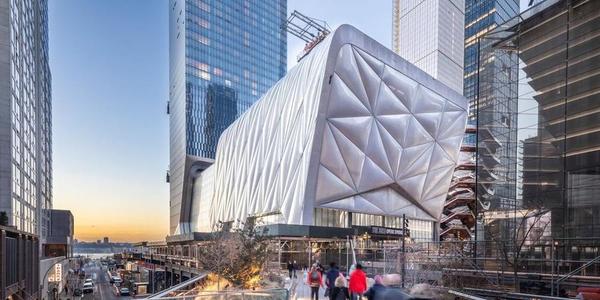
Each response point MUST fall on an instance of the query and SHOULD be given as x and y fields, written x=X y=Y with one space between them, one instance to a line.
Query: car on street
x=89 y=280
x=124 y=291
x=88 y=288
x=116 y=279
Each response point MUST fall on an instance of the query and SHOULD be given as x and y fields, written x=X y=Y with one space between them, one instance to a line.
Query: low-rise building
x=56 y=251
x=59 y=241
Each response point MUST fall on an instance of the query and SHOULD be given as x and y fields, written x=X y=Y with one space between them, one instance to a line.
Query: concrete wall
x=5 y=111
x=45 y=265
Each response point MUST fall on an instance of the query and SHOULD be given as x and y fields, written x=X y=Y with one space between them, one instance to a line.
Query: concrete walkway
x=299 y=289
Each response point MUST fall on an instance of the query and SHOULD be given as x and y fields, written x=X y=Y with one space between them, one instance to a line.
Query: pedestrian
x=315 y=280
x=290 y=268
x=330 y=278
x=358 y=283
x=339 y=290
x=320 y=267
x=377 y=290
x=295 y=268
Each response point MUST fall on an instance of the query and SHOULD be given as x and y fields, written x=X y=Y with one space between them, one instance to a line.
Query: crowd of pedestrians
x=338 y=286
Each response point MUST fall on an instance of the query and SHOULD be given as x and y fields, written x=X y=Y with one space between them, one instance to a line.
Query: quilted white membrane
x=352 y=127
x=390 y=144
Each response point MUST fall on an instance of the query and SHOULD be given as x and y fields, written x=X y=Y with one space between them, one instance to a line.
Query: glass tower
x=492 y=107
x=223 y=56
x=558 y=161
x=481 y=17
x=554 y=133
x=25 y=116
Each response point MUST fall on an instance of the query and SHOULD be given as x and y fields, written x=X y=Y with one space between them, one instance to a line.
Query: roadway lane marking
x=100 y=290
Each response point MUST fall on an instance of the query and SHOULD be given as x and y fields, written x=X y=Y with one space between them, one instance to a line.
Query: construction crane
x=312 y=31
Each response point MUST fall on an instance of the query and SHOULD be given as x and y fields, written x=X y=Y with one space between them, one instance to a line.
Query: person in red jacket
x=315 y=280
x=358 y=283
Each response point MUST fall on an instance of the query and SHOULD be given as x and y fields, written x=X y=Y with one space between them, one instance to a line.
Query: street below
x=103 y=289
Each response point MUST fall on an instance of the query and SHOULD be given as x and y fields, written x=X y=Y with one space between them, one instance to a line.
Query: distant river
x=93 y=255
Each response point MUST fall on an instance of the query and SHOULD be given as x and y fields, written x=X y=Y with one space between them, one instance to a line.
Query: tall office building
x=481 y=17
x=493 y=100
x=558 y=45
x=223 y=56
x=430 y=34
x=25 y=116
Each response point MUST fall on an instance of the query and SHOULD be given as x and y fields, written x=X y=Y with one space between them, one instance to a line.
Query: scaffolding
x=310 y=30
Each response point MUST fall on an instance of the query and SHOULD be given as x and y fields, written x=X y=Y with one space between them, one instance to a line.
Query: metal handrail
x=176 y=287
x=570 y=274
x=466 y=296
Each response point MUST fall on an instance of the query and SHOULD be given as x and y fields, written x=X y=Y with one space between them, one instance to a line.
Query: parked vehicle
x=124 y=292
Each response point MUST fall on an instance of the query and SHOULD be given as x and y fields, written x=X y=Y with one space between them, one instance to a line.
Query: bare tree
x=515 y=243
x=238 y=255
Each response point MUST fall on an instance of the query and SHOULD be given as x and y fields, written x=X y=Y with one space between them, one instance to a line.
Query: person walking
x=290 y=268
x=295 y=268
x=339 y=290
x=320 y=267
x=331 y=276
x=377 y=290
x=358 y=283
x=315 y=281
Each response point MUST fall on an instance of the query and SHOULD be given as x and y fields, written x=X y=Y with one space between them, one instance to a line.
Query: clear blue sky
x=109 y=62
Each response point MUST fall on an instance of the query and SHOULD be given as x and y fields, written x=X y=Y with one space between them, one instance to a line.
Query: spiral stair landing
x=458 y=219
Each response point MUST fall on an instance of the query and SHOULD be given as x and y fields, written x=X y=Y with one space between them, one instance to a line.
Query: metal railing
x=572 y=273
x=275 y=294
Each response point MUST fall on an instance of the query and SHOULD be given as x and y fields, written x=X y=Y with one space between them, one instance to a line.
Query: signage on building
x=378 y=230
x=55 y=274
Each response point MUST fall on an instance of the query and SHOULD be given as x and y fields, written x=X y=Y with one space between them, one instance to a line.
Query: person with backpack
x=315 y=281
x=377 y=290
x=330 y=278
x=358 y=283
x=340 y=290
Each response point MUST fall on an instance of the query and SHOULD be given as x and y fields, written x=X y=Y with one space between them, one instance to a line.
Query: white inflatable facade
x=352 y=127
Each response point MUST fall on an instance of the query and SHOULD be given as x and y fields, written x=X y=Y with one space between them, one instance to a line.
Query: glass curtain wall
x=550 y=174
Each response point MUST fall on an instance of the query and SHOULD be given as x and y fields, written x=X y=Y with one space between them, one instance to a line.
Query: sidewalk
x=299 y=289
x=73 y=282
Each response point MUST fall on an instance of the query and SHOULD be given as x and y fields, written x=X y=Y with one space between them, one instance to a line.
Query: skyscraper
x=481 y=17
x=223 y=56
x=557 y=44
x=25 y=116
x=430 y=34
x=493 y=100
